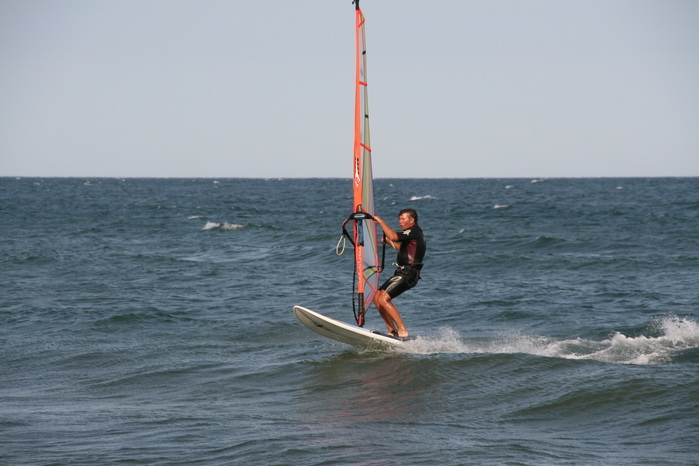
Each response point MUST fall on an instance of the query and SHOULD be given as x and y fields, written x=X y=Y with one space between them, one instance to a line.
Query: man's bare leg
x=390 y=313
x=390 y=325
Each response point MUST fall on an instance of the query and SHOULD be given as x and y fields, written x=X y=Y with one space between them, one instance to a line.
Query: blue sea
x=149 y=322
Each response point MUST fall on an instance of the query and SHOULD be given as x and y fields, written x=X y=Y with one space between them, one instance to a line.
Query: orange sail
x=365 y=234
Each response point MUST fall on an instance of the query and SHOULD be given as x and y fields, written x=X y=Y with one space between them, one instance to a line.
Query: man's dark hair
x=410 y=212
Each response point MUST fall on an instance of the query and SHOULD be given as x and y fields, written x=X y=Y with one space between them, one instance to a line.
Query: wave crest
x=677 y=335
x=223 y=226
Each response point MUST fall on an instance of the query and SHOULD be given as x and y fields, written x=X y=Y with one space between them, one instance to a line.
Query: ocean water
x=149 y=322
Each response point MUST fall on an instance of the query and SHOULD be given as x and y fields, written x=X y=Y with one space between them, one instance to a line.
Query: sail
x=365 y=233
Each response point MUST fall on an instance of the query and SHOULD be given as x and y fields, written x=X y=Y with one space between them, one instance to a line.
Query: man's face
x=405 y=221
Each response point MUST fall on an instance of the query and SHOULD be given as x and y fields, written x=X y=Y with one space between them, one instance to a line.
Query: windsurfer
x=411 y=246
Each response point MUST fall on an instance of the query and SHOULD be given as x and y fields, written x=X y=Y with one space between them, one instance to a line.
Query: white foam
x=677 y=335
x=449 y=341
x=417 y=198
x=497 y=206
x=223 y=226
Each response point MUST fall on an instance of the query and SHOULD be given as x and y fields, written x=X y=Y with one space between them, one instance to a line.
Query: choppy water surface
x=149 y=321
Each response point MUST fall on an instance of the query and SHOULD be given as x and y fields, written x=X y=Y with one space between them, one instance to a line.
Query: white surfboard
x=342 y=332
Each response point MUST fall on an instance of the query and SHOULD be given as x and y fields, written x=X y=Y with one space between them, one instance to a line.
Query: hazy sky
x=263 y=88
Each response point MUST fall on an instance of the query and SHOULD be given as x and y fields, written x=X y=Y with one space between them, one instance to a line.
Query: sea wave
x=223 y=226
x=677 y=335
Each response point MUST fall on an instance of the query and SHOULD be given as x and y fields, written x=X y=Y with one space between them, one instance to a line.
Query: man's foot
x=395 y=333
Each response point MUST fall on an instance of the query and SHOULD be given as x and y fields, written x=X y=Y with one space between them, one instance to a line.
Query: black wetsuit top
x=412 y=247
x=412 y=250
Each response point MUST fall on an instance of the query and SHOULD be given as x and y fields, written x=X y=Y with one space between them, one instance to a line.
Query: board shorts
x=402 y=280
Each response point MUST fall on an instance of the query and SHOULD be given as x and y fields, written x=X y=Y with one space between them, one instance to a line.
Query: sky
x=264 y=88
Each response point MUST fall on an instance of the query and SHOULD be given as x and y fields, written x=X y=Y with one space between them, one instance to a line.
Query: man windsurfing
x=410 y=244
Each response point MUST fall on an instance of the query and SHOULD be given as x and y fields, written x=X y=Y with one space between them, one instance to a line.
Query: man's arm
x=395 y=246
x=391 y=235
